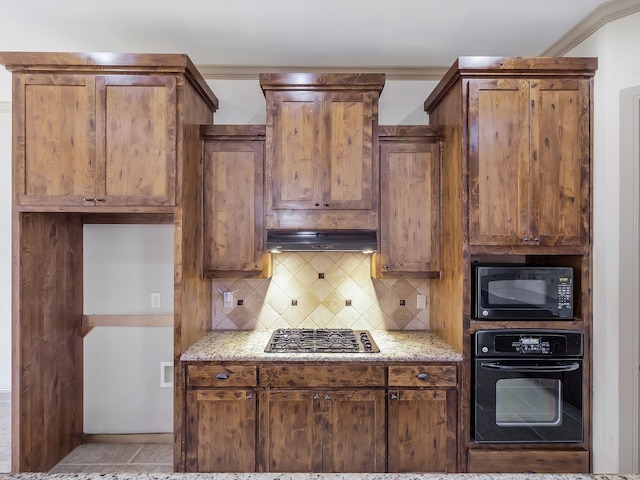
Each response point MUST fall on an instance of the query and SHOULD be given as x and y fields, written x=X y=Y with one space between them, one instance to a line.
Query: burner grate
x=336 y=340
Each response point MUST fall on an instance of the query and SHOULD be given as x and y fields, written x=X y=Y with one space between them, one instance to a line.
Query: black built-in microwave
x=521 y=292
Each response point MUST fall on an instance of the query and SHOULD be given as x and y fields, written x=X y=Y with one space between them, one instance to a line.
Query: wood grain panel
x=312 y=376
x=221 y=376
x=136 y=137
x=47 y=334
x=54 y=139
x=414 y=376
x=233 y=207
x=290 y=432
x=354 y=435
x=528 y=461
x=222 y=431
x=192 y=293
x=422 y=431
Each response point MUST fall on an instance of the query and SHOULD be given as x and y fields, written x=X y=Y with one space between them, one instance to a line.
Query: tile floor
x=93 y=457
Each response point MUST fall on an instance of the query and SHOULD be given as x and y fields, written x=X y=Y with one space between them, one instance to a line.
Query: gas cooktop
x=332 y=340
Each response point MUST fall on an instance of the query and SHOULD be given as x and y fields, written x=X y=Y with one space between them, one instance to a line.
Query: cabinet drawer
x=528 y=461
x=321 y=376
x=422 y=376
x=221 y=376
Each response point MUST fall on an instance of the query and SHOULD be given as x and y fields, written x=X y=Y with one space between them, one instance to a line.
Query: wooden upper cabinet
x=410 y=234
x=529 y=162
x=100 y=130
x=321 y=155
x=233 y=157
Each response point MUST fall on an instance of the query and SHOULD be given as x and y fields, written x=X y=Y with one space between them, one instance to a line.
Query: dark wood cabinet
x=322 y=419
x=84 y=140
x=233 y=189
x=410 y=234
x=529 y=161
x=516 y=187
x=321 y=150
x=221 y=418
x=422 y=418
x=97 y=138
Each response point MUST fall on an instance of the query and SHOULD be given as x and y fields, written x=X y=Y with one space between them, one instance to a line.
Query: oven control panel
x=519 y=343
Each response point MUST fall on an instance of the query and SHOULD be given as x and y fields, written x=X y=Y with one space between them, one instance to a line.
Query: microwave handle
x=569 y=367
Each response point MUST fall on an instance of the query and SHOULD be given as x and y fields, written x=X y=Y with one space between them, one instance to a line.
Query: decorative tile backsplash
x=320 y=290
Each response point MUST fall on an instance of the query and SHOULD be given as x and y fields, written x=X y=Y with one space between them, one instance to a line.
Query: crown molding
x=251 y=72
x=599 y=17
x=5 y=107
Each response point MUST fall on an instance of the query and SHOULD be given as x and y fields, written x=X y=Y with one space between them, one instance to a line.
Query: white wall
x=616 y=46
x=123 y=264
x=5 y=245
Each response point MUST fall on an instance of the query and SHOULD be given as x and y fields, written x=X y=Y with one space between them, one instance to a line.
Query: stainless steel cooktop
x=333 y=340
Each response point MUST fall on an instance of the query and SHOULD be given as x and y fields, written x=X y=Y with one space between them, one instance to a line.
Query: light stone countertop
x=249 y=345
x=316 y=476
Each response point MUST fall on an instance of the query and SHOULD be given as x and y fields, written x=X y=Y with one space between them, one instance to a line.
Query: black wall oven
x=528 y=386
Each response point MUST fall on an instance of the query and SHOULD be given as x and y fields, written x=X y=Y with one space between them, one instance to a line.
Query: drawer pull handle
x=222 y=376
x=422 y=376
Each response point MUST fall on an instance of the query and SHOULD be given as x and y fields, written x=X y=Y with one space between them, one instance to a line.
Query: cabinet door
x=422 y=430
x=353 y=437
x=221 y=431
x=498 y=162
x=560 y=151
x=54 y=139
x=290 y=435
x=233 y=208
x=347 y=168
x=136 y=140
x=410 y=209
x=294 y=143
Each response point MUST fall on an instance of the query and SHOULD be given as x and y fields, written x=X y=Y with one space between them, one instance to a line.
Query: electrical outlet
x=156 y=299
x=421 y=301
x=166 y=374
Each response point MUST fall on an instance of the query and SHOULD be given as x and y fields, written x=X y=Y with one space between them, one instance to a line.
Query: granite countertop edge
x=317 y=476
x=248 y=345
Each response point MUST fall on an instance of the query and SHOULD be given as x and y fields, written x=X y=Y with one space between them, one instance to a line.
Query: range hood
x=322 y=241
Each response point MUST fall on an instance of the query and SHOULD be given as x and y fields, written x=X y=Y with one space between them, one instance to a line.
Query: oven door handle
x=569 y=367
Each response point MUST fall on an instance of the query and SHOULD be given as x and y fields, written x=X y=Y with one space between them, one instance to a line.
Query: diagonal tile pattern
x=321 y=302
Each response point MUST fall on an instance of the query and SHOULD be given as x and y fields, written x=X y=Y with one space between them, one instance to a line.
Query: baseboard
x=128 y=438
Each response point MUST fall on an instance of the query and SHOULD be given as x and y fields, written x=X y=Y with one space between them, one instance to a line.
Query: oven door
x=528 y=400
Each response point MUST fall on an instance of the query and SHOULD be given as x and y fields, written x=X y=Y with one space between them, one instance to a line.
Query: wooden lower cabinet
x=221 y=431
x=422 y=431
x=422 y=418
x=328 y=431
x=528 y=461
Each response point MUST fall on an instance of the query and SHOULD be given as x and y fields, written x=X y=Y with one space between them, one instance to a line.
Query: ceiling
x=296 y=33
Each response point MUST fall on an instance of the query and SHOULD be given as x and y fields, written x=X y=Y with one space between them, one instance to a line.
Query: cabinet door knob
x=536 y=239
x=257 y=265
x=249 y=397
x=316 y=397
x=317 y=204
x=99 y=199
x=386 y=267
x=327 y=397
x=422 y=376
x=89 y=199
x=394 y=396
x=222 y=376
x=525 y=239
x=326 y=204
